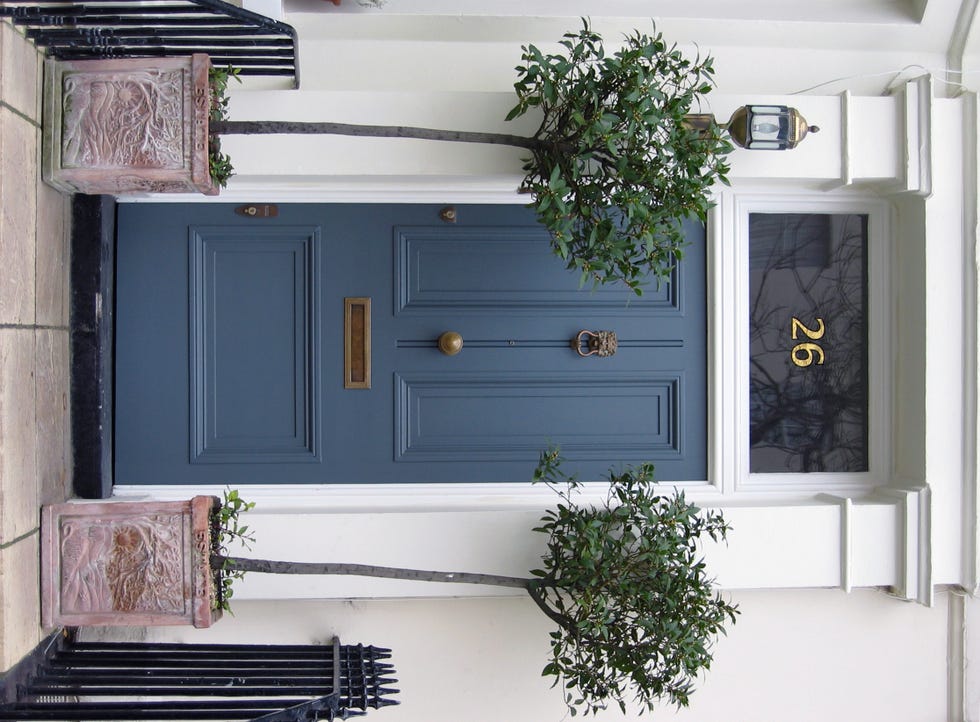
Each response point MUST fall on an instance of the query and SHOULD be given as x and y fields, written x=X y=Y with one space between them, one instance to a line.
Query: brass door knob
x=450 y=343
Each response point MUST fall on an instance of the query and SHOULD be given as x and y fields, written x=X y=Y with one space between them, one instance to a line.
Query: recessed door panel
x=503 y=416
x=253 y=315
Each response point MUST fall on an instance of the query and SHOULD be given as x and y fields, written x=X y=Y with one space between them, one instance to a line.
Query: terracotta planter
x=128 y=563
x=130 y=125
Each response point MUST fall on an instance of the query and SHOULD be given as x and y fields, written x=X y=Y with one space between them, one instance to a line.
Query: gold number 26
x=804 y=354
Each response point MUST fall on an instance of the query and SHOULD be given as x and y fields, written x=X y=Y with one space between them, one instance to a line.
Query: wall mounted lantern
x=760 y=127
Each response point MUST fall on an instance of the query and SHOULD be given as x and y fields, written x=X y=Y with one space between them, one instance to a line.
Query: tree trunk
x=277 y=127
x=267 y=566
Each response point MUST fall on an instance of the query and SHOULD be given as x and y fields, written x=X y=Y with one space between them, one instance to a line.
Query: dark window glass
x=809 y=335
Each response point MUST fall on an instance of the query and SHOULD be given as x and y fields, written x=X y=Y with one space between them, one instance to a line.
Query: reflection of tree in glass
x=810 y=418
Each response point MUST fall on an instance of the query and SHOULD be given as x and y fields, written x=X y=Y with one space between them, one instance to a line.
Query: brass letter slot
x=357 y=343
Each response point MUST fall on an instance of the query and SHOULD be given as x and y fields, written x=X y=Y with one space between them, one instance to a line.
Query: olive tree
x=614 y=163
x=636 y=614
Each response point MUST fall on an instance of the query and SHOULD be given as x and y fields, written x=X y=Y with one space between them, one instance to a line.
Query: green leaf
x=555 y=175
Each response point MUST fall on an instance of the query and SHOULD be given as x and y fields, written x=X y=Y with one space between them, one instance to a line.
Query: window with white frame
x=815 y=364
x=808 y=342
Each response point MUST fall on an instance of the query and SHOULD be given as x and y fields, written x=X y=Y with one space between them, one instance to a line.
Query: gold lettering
x=814 y=333
x=804 y=354
x=809 y=350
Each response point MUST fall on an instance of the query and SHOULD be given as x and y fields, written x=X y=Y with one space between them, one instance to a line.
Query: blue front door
x=230 y=358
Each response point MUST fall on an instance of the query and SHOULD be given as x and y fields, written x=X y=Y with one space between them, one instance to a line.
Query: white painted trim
x=845 y=544
x=971 y=340
x=916 y=551
x=918 y=136
x=846 y=539
x=787 y=544
x=718 y=327
x=374 y=498
x=727 y=335
x=846 y=176
x=450 y=497
x=354 y=189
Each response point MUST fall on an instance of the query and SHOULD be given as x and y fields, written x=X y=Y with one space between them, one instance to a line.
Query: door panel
x=500 y=416
x=499 y=271
x=254 y=315
x=230 y=350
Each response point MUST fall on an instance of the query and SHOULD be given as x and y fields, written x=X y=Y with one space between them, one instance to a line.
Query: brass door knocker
x=599 y=343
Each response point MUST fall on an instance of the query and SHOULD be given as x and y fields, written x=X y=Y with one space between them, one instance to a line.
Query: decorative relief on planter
x=110 y=565
x=123 y=120
x=127 y=563
x=127 y=125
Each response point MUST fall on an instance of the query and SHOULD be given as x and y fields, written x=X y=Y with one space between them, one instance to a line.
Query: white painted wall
x=802 y=656
x=760 y=46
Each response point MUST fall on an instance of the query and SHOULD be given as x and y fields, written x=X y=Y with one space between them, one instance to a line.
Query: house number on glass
x=808 y=294
x=803 y=354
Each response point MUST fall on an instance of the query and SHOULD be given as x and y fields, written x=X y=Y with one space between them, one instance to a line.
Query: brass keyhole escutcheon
x=450 y=343
x=258 y=210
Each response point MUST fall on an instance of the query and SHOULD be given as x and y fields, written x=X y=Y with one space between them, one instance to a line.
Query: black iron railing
x=262 y=683
x=68 y=30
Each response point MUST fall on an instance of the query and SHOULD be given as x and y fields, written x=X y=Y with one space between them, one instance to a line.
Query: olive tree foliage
x=637 y=614
x=615 y=165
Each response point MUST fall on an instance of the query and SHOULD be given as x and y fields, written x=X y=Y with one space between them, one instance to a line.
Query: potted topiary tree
x=620 y=154
x=635 y=611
